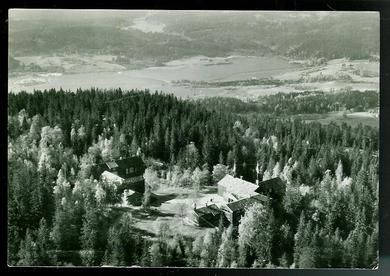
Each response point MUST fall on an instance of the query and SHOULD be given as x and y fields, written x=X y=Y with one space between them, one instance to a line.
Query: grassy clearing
x=353 y=119
x=170 y=205
x=73 y=63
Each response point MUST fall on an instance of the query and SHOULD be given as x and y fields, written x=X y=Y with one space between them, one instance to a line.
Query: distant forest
x=298 y=103
x=58 y=215
x=348 y=35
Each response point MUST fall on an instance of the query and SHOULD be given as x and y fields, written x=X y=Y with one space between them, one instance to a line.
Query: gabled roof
x=242 y=203
x=210 y=209
x=238 y=186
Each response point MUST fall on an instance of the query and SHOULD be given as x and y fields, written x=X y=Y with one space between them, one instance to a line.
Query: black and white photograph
x=193 y=139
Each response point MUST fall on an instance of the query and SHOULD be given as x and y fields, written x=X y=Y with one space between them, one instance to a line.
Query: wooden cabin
x=207 y=216
x=126 y=173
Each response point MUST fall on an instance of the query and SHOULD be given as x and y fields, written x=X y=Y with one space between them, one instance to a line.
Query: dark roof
x=275 y=180
x=276 y=185
x=210 y=209
x=134 y=161
x=242 y=203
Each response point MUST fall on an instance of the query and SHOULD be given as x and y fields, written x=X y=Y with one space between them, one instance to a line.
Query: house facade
x=235 y=210
x=126 y=173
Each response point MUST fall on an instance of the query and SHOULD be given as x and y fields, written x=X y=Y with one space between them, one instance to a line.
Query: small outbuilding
x=207 y=216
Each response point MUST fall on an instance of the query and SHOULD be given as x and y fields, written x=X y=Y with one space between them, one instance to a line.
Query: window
x=131 y=170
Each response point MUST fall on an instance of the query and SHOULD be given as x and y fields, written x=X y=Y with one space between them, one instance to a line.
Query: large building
x=233 y=189
x=126 y=173
x=238 y=196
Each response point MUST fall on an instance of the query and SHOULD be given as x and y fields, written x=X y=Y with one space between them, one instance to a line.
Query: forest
x=308 y=102
x=59 y=215
x=191 y=34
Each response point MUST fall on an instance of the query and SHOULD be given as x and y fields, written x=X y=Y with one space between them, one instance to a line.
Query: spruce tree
x=28 y=252
x=43 y=243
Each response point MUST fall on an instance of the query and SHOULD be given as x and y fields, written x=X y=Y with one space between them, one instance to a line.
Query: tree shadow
x=143 y=232
x=157 y=200
x=149 y=214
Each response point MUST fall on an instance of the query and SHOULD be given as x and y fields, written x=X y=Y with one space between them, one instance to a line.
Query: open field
x=171 y=205
x=353 y=119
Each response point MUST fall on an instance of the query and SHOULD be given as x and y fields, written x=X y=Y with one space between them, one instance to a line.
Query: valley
x=244 y=77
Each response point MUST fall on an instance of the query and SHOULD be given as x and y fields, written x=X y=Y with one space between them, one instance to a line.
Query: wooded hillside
x=328 y=218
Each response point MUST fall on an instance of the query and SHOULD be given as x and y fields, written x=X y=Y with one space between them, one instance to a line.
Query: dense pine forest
x=59 y=215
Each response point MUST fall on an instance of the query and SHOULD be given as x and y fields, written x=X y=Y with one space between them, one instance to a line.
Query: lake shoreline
x=243 y=76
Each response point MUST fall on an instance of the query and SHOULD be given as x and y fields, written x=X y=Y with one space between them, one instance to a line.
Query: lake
x=199 y=68
x=106 y=75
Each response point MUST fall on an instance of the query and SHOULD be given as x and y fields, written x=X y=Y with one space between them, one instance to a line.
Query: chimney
x=257 y=182
x=241 y=177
